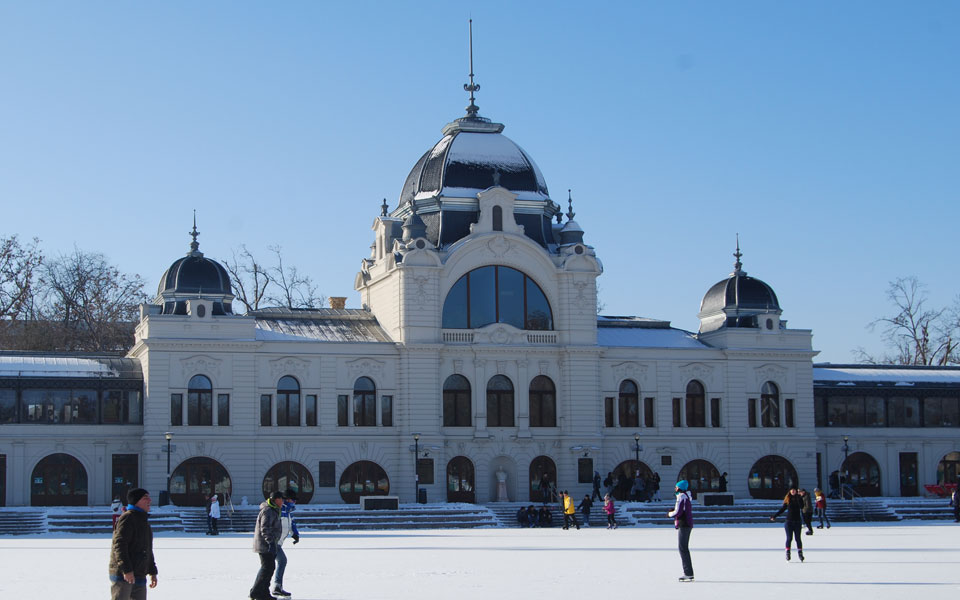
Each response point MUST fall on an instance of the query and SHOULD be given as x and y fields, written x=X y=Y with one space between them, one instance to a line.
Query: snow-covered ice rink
x=848 y=561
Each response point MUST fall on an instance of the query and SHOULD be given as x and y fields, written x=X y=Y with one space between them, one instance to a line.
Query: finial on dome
x=570 y=213
x=383 y=208
x=738 y=266
x=472 y=87
x=194 y=245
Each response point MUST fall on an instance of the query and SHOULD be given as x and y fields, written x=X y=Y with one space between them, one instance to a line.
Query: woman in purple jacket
x=682 y=514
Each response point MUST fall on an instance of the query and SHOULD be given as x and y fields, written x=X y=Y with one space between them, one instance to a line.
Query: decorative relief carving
x=288 y=448
x=541 y=447
x=201 y=446
x=697 y=371
x=363 y=447
x=461 y=448
x=544 y=367
x=629 y=370
x=501 y=367
x=581 y=299
x=500 y=336
x=773 y=447
x=774 y=373
x=458 y=367
x=700 y=448
x=420 y=295
x=200 y=364
x=480 y=362
x=288 y=365
x=366 y=366
x=499 y=246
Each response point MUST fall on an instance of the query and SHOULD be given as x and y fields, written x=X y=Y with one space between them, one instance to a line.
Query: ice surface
x=875 y=561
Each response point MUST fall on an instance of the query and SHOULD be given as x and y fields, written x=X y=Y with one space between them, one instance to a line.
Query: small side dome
x=194 y=276
x=738 y=301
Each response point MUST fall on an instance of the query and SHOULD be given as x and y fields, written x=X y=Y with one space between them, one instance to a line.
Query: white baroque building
x=478 y=348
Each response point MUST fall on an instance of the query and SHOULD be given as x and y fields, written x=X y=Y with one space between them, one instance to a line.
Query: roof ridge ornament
x=194 y=245
x=383 y=208
x=570 y=213
x=472 y=87
x=738 y=266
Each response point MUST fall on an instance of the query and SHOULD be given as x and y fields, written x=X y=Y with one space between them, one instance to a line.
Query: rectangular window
x=8 y=406
x=855 y=411
x=120 y=407
x=819 y=411
x=770 y=411
x=629 y=411
x=903 y=412
x=176 y=409
x=836 y=412
x=311 y=410
x=425 y=471
x=124 y=474
x=223 y=410
x=751 y=412
x=696 y=412
x=666 y=460
x=288 y=409
x=327 y=474
x=950 y=412
x=714 y=412
x=364 y=409
x=342 y=410
x=677 y=410
x=200 y=408
x=266 y=416
x=386 y=411
x=940 y=412
x=648 y=410
x=788 y=412
x=874 y=412
x=608 y=412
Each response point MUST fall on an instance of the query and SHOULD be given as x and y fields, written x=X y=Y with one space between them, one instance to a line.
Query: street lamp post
x=636 y=448
x=169 y=436
x=846 y=454
x=416 y=467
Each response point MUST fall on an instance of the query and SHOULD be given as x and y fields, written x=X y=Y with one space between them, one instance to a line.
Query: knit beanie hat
x=134 y=495
x=682 y=485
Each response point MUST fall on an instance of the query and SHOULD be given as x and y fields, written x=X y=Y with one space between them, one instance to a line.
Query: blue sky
x=825 y=133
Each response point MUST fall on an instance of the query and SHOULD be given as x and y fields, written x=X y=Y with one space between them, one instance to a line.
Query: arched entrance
x=58 y=480
x=543 y=479
x=289 y=475
x=460 y=480
x=363 y=478
x=949 y=468
x=862 y=473
x=196 y=479
x=701 y=475
x=624 y=480
x=770 y=478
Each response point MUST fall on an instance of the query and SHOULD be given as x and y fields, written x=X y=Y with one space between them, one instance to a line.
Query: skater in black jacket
x=793 y=506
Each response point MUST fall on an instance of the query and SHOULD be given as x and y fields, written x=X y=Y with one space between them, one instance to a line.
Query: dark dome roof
x=739 y=291
x=195 y=274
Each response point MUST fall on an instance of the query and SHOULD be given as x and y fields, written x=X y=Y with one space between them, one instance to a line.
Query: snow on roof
x=489 y=149
x=639 y=337
x=67 y=366
x=323 y=325
x=849 y=374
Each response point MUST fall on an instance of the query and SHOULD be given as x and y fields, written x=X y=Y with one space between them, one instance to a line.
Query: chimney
x=338 y=302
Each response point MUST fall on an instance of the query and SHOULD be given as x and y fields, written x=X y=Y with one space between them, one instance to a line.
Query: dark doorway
x=625 y=485
x=908 y=474
x=125 y=475
x=196 y=479
x=771 y=477
x=58 y=480
x=289 y=475
x=862 y=473
x=460 y=480
x=543 y=479
x=363 y=478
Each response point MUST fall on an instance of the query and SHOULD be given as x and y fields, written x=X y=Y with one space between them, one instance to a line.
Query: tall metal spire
x=737 y=266
x=570 y=213
x=194 y=245
x=472 y=87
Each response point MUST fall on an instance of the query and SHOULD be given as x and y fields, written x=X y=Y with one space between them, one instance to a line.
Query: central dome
x=472 y=156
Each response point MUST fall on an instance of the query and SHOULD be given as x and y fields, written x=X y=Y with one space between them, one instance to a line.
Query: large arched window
x=771 y=478
x=702 y=476
x=460 y=480
x=496 y=294
x=862 y=473
x=499 y=402
x=364 y=402
x=625 y=481
x=543 y=402
x=58 y=480
x=288 y=402
x=770 y=405
x=196 y=479
x=629 y=404
x=696 y=404
x=456 y=401
x=948 y=469
x=199 y=401
x=289 y=475
x=363 y=478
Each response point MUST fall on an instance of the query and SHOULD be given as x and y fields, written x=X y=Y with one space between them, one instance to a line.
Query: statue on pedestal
x=501 y=485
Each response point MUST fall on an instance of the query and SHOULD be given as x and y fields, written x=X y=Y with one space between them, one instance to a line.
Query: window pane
x=510 y=296
x=223 y=409
x=676 y=413
x=950 y=413
x=483 y=310
x=714 y=412
x=386 y=409
x=8 y=406
x=874 y=412
x=111 y=409
x=176 y=409
x=455 y=306
x=752 y=412
x=608 y=412
x=539 y=316
x=342 y=410
x=265 y=416
x=788 y=412
x=931 y=412
x=648 y=409
x=855 y=411
x=311 y=409
x=288 y=384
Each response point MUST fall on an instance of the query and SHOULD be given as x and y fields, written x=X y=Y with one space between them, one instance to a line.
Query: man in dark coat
x=266 y=534
x=131 y=551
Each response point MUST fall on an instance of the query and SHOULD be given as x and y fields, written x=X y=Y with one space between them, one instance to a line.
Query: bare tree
x=18 y=265
x=256 y=285
x=294 y=289
x=916 y=334
x=248 y=278
x=93 y=304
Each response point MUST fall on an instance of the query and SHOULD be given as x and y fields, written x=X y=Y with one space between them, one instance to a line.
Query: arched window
x=499 y=402
x=543 y=479
x=363 y=478
x=456 y=402
x=769 y=405
x=497 y=218
x=627 y=486
x=289 y=475
x=58 y=480
x=543 y=402
x=629 y=406
x=862 y=473
x=460 y=480
x=771 y=477
x=949 y=468
x=364 y=402
x=696 y=404
x=199 y=401
x=702 y=476
x=496 y=294
x=288 y=402
x=196 y=479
